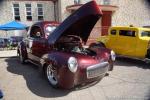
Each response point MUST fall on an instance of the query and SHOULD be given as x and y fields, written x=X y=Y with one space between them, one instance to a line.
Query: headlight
x=113 y=55
x=72 y=64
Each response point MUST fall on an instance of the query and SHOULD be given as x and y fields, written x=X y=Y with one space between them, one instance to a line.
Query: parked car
x=61 y=55
x=133 y=42
x=1 y=43
x=4 y=42
x=14 y=40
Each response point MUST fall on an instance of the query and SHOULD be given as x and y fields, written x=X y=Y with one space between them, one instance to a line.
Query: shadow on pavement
x=122 y=61
x=34 y=80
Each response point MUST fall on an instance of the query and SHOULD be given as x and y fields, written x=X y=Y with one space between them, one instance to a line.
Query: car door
x=127 y=42
x=36 y=44
x=41 y=47
x=112 y=43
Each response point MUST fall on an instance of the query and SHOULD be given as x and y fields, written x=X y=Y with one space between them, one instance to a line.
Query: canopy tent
x=13 y=26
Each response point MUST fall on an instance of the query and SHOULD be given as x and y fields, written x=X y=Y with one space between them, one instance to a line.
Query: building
x=26 y=11
x=115 y=12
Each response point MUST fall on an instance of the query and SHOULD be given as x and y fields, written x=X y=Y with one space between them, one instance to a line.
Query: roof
x=129 y=27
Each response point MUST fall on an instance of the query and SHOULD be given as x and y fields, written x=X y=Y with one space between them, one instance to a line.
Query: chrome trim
x=36 y=64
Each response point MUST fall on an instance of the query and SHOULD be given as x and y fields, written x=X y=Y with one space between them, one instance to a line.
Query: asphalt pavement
x=130 y=80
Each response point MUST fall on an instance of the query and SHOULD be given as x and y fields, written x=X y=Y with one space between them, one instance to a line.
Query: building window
x=28 y=12
x=16 y=12
x=76 y=1
x=106 y=2
x=40 y=12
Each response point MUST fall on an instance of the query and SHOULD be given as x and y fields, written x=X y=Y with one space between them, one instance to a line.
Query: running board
x=146 y=60
x=32 y=62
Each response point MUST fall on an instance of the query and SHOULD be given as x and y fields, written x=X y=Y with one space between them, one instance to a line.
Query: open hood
x=80 y=23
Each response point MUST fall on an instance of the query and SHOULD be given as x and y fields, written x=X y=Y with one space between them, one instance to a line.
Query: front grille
x=97 y=70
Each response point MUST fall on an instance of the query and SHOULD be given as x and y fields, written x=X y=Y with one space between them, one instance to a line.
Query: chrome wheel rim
x=51 y=75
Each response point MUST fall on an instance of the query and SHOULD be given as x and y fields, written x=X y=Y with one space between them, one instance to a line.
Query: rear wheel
x=51 y=75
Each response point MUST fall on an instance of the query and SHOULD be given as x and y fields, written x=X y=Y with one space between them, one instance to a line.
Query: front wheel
x=21 y=58
x=51 y=75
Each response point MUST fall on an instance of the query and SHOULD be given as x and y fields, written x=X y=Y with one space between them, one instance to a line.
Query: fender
x=60 y=61
x=104 y=53
x=53 y=58
x=97 y=45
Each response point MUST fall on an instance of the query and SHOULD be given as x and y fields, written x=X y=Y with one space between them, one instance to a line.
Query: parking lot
x=130 y=80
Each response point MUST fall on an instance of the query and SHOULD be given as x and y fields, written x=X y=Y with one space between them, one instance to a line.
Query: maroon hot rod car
x=59 y=50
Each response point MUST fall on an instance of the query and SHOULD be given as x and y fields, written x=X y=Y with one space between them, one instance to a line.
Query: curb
x=9 y=57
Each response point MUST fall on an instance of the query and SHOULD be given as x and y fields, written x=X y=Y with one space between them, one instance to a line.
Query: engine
x=72 y=43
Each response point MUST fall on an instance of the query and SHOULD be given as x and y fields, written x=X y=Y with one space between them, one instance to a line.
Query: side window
x=113 y=32
x=127 y=33
x=145 y=33
x=36 y=32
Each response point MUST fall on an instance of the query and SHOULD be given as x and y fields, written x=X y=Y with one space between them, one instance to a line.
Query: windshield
x=49 y=29
x=145 y=33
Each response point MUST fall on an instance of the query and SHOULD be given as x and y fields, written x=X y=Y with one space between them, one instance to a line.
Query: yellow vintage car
x=129 y=41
